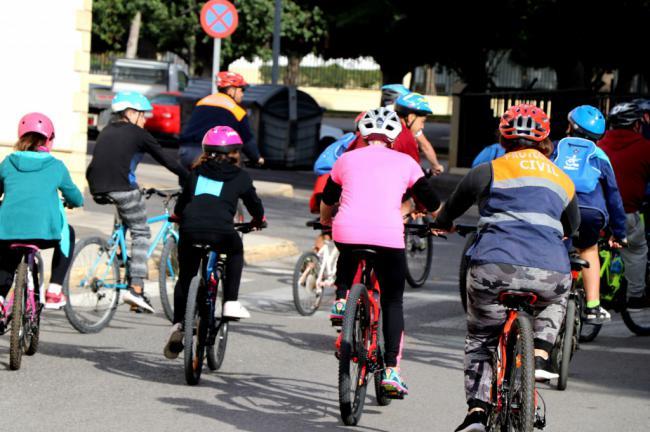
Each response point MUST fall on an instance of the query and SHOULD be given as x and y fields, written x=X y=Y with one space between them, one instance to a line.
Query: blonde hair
x=31 y=141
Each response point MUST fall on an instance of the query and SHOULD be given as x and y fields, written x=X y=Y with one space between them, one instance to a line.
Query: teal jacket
x=31 y=207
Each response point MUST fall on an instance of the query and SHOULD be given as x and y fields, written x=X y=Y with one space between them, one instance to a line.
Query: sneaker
x=133 y=298
x=234 y=309
x=636 y=304
x=138 y=309
x=597 y=315
x=338 y=310
x=392 y=382
x=54 y=301
x=475 y=421
x=543 y=370
x=174 y=344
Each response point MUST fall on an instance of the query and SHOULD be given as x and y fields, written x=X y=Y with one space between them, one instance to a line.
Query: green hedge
x=330 y=76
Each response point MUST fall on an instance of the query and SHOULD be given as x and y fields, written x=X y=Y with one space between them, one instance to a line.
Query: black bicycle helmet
x=624 y=115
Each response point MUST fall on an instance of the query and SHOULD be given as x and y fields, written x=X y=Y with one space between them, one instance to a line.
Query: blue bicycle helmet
x=390 y=93
x=588 y=122
x=413 y=103
x=130 y=99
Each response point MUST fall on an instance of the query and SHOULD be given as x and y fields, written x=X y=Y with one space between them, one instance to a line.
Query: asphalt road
x=280 y=373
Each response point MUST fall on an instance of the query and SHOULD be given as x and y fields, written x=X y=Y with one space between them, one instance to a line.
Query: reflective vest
x=520 y=221
x=221 y=100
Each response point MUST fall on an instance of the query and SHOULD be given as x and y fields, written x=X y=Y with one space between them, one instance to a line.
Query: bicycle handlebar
x=247 y=227
x=169 y=194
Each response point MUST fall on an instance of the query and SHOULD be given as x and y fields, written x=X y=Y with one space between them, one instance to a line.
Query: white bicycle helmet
x=380 y=124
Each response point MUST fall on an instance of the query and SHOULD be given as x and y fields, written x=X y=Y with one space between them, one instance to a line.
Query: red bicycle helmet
x=525 y=121
x=230 y=79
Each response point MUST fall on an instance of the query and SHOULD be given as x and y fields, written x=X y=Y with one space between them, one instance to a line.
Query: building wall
x=46 y=50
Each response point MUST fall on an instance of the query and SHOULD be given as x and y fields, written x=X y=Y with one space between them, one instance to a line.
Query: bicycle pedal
x=540 y=422
x=337 y=355
x=336 y=322
x=394 y=395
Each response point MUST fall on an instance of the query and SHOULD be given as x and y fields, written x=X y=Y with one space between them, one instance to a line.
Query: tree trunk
x=134 y=35
x=292 y=76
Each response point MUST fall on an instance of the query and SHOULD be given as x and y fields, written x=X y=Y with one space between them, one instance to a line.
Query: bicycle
x=419 y=254
x=567 y=342
x=314 y=272
x=205 y=329
x=24 y=305
x=359 y=346
x=94 y=281
x=613 y=295
x=514 y=397
x=471 y=233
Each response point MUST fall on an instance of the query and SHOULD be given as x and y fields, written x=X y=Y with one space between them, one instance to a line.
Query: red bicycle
x=514 y=397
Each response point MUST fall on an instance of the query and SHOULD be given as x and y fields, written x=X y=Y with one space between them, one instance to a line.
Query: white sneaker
x=175 y=342
x=133 y=298
x=234 y=309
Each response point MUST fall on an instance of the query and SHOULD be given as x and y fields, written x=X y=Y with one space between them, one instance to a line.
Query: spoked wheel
x=638 y=322
x=17 y=339
x=196 y=332
x=218 y=339
x=520 y=414
x=90 y=286
x=33 y=311
x=568 y=342
x=167 y=275
x=463 y=269
x=353 y=370
x=307 y=295
x=419 y=256
x=380 y=393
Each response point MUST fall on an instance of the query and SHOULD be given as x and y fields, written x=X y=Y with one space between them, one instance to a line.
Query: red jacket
x=629 y=154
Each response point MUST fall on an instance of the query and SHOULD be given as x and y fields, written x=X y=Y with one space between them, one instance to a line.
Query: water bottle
x=616 y=266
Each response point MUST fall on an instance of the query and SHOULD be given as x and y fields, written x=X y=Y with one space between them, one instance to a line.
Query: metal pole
x=275 y=72
x=215 y=63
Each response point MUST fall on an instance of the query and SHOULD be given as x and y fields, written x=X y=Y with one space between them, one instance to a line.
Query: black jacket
x=209 y=200
x=118 y=150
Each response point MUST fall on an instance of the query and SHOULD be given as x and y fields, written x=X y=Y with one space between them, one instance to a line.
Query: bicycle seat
x=578 y=263
x=515 y=299
x=103 y=199
x=24 y=246
x=364 y=253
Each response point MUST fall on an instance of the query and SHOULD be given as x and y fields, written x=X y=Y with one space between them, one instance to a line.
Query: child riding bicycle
x=206 y=210
x=111 y=177
x=370 y=183
x=526 y=205
x=32 y=211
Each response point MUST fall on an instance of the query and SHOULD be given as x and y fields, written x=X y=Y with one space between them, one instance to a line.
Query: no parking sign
x=219 y=18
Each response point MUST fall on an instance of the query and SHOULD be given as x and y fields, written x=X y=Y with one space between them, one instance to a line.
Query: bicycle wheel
x=463 y=269
x=637 y=322
x=195 y=333
x=34 y=317
x=90 y=286
x=566 y=348
x=18 y=333
x=419 y=256
x=353 y=369
x=216 y=349
x=167 y=275
x=520 y=415
x=306 y=294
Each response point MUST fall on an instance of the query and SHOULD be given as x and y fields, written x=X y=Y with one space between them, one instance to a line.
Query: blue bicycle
x=99 y=270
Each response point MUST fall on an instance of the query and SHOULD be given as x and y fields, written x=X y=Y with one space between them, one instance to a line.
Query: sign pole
x=275 y=71
x=216 y=60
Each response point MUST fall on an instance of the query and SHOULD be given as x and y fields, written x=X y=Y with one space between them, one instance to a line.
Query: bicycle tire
x=305 y=296
x=35 y=331
x=168 y=258
x=416 y=277
x=567 y=344
x=91 y=323
x=523 y=346
x=588 y=332
x=355 y=319
x=463 y=268
x=216 y=352
x=635 y=327
x=16 y=338
x=195 y=334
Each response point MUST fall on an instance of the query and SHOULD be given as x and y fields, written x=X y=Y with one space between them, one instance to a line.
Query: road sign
x=219 y=18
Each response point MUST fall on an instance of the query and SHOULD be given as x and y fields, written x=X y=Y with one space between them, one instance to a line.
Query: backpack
x=488 y=154
x=325 y=161
x=574 y=157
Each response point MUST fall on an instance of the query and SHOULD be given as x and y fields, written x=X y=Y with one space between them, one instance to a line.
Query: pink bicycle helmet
x=221 y=139
x=37 y=123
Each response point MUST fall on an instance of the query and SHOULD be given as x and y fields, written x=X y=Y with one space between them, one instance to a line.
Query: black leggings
x=189 y=259
x=390 y=268
x=9 y=260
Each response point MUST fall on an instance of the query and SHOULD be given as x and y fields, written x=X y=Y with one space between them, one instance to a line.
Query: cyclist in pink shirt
x=369 y=184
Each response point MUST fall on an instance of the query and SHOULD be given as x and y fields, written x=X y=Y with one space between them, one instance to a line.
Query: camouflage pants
x=485 y=316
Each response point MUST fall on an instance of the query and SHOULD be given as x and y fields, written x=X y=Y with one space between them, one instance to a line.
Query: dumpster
x=286 y=123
